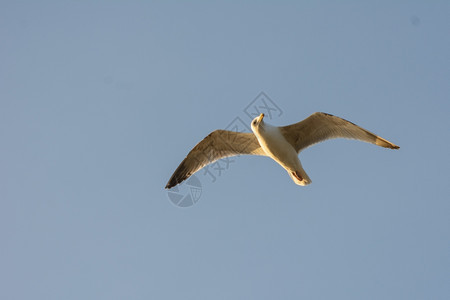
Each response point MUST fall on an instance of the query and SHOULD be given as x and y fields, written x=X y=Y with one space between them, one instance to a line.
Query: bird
x=282 y=144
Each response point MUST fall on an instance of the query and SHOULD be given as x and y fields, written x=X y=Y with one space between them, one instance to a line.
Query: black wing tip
x=393 y=147
x=171 y=184
x=175 y=180
x=178 y=176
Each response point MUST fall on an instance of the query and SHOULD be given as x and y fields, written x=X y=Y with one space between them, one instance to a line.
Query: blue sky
x=100 y=102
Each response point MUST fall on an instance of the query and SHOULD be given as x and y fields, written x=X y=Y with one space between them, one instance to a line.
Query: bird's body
x=282 y=144
x=280 y=150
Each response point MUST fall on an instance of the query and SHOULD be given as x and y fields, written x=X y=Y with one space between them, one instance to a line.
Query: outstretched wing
x=322 y=126
x=218 y=144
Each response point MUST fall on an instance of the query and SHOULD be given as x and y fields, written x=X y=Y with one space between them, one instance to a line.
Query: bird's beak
x=261 y=116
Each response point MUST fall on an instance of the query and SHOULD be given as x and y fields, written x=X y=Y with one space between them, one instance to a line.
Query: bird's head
x=257 y=123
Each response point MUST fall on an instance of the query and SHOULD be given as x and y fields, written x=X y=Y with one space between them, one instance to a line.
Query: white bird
x=282 y=144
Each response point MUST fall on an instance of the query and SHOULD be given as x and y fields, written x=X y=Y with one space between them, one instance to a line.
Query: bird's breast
x=276 y=146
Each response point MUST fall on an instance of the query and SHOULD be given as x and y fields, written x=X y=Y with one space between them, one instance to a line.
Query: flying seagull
x=282 y=144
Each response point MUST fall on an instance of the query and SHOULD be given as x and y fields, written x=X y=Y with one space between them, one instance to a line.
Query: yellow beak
x=261 y=116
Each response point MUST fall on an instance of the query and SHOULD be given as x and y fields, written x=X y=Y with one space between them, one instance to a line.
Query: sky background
x=100 y=102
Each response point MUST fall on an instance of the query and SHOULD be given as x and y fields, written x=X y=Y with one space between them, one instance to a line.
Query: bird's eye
x=254 y=122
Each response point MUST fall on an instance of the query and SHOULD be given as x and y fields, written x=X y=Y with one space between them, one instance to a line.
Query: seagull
x=282 y=144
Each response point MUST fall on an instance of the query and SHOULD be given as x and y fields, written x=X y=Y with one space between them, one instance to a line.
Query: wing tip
x=180 y=175
x=393 y=147
x=386 y=144
x=174 y=181
x=170 y=184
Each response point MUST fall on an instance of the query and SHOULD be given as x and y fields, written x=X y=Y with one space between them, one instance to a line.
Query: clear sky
x=100 y=102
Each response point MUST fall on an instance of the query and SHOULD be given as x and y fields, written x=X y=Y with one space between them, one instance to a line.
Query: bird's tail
x=300 y=177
